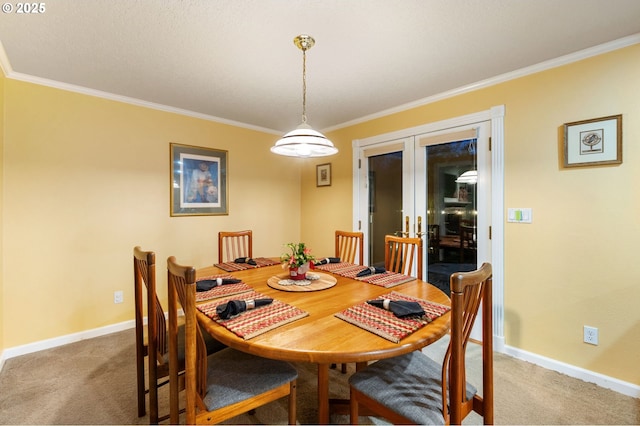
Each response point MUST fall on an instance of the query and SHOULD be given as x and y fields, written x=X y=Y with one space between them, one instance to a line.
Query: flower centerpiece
x=297 y=260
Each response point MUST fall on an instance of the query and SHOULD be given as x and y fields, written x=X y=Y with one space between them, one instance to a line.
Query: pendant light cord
x=304 y=85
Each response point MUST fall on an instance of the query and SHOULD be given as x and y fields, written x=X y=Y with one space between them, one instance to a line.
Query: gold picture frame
x=199 y=181
x=323 y=174
x=593 y=142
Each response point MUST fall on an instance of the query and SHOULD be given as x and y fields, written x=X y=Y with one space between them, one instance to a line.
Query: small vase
x=299 y=272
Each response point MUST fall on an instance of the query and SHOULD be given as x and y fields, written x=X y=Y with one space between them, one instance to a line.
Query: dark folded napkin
x=400 y=308
x=247 y=260
x=371 y=270
x=205 y=285
x=327 y=260
x=235 y=307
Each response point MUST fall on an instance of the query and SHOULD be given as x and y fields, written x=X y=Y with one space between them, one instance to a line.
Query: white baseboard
x=63 y=340
x=607 y=382
x=70 y=338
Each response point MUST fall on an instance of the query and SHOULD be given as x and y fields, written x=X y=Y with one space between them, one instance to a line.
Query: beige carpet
x=93 y=382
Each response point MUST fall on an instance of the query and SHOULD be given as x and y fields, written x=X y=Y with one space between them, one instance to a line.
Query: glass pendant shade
x=470 y=176
x=304 y=142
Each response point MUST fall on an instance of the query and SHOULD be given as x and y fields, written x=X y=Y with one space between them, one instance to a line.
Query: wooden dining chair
x=433 y=243
x=227 y=383
x=400 y=252
x=468 y=245
x=414 y=389
x=151 y=341
x=234 y=244
x=144 y=273
x=349 y=245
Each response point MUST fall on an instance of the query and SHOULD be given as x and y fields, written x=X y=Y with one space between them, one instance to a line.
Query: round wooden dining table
x=321 y=337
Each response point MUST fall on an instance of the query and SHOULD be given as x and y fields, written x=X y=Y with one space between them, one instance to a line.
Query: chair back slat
x=349 y=246
x=234 y=244
x=400 y=254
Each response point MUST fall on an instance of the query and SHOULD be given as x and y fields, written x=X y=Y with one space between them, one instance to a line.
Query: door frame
x=404 y=145
x=495 y=115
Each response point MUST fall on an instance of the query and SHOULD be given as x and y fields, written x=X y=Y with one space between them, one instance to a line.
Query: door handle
x=419 y=234
x=404 y=233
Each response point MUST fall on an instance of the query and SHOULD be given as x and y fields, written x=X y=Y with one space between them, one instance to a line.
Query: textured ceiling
x=235 y=59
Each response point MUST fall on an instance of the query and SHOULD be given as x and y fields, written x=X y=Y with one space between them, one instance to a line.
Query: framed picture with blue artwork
x=199 y=184
x=593 y=142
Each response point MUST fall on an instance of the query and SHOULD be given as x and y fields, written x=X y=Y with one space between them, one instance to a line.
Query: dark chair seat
x=410 y=385
x=235 y=376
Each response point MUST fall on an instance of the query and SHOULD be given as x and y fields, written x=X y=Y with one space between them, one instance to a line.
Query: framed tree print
x=593 y=142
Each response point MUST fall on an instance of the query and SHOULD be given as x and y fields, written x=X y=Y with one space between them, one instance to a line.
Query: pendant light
x=303 y=141
x=470 y=176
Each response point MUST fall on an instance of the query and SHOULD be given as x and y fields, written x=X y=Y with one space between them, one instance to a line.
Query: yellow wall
x=78 y=194
x=2 y=322
x=87 y=179
x=576 y=264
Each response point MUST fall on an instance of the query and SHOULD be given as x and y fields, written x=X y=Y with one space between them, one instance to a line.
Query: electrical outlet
x=591 y=335
x=118 y=297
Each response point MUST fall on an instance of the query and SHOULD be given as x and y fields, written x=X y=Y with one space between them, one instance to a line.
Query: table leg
x=323 y=394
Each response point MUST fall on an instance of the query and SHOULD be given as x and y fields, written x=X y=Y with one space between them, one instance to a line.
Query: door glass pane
x=385 y=202
x=451 y=210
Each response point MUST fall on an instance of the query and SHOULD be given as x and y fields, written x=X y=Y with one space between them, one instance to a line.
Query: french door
x=430 y=190
x=387 y=194
x=433 y=185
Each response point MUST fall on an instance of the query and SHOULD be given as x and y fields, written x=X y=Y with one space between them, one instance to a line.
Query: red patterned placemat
x=340 y=268
x=385 y=324
x=232 y=266
x=349 y=270
x=386 y=279
x=257 y=321
x=221 y=291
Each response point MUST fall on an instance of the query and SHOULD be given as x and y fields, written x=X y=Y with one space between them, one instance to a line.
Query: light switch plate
x=519 y=215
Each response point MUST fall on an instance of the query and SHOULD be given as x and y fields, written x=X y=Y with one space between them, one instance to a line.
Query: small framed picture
x=198 y=181
x=593 y=142
x=323 y=174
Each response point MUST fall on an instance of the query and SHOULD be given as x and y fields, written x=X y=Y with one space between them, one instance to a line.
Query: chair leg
x=353 y=409
x=293 y=398
x=344 y=368
x=142 y=410
x=153 y=403
x=153 y=391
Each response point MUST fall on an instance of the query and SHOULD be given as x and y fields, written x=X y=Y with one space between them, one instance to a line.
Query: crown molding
x=133 y=101
x=533 y=69
x=5 y=65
